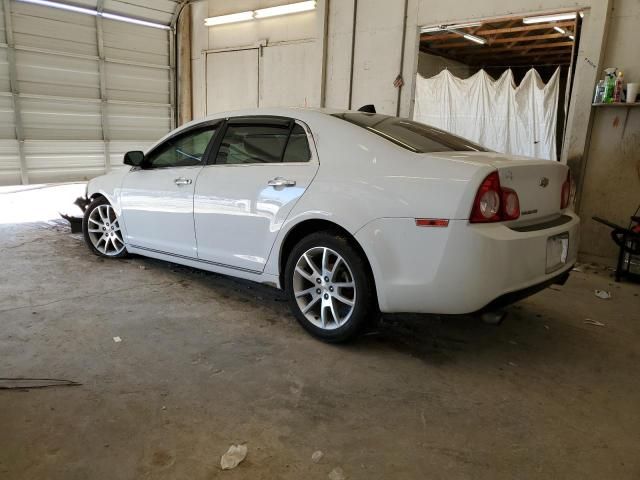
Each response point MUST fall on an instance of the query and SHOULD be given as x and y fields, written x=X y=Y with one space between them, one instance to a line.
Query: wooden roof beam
x=510 y=40
x=492 y=31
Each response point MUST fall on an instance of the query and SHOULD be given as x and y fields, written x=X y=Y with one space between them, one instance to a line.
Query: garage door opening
x=530 y=52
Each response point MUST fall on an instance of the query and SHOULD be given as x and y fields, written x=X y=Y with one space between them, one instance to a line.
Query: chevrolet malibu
x=350 y=213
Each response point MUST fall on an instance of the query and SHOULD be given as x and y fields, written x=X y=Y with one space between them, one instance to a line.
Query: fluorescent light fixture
x=550 y=18
x=88 y=11
x=572 y=37
x=473 y=38
x=560 y=30
x=466 y=25
x=62 y=6
x=144 y=23
x=431 y=29
x=440 y=28
x=232 y=18
x=468 y=36
x=286 y=9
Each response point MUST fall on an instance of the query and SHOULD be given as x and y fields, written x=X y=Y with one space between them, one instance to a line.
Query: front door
x=262 y=167
x=157 y=200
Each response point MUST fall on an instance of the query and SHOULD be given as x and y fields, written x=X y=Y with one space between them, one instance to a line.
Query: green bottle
x=609 y=85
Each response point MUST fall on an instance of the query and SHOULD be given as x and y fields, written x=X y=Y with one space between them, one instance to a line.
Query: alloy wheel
x=104 y=231
x=324 y=288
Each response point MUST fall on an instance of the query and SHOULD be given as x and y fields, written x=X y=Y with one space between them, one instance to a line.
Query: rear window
x=414 y=136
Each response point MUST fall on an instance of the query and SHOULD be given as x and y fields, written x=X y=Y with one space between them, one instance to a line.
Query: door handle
x=182 y=181
x=281 y=182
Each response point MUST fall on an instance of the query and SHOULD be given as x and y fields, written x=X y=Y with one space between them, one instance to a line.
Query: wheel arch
x=309 y=226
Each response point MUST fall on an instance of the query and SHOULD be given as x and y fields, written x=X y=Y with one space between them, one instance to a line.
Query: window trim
x=215 y=124
x=264 y=120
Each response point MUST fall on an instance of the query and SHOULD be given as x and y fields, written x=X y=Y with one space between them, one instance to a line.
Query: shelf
x=618 y=105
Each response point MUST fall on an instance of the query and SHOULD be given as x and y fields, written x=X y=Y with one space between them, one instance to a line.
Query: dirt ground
x=207 y=361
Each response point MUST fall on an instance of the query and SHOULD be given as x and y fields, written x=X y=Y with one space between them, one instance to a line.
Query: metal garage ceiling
x=78 y=90
x=160 y=11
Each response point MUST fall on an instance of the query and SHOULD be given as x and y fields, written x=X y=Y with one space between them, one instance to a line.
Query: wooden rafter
x=428 y=37
x=550 y=45
x=510 y=40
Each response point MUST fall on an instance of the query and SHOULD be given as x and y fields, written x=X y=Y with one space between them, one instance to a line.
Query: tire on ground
x=365 y=311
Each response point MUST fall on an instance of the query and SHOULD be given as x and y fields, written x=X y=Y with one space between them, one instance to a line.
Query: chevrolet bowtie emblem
x=544 y=181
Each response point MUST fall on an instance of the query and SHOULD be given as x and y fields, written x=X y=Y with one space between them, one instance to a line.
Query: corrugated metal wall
x=86 y=89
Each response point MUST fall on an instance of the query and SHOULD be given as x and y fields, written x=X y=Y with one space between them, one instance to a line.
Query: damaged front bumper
x=76 y=222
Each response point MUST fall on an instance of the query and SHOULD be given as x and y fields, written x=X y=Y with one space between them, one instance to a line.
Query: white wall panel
x=125 y=41
x=7 y=123
x=159 y=11
x=138 y=84
x=4 y=71
x=3 y=33
x=52 y=29
x=46 y=74
x=286 y=78
x=48 y=119
x=138 y=122
x=9 y=162
x=63 y=111
x=57 y=161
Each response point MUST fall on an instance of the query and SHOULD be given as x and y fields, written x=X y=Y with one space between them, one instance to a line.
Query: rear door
x=157 y=200
x=262 y=167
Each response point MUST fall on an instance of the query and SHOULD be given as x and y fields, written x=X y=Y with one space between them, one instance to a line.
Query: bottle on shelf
x=597 y=98
x=617 y=91
x=609 y=85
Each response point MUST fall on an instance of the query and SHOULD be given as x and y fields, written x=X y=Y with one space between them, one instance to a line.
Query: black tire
x=85 y=229
x=365 y=310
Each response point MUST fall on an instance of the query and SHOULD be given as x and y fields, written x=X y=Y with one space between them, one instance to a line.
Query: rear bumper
x=459 y=269
x=513 y=297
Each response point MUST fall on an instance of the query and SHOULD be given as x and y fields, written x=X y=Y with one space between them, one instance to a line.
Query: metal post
x=173 y=62
x=172 y=75
x=15 y=91
x=102 y=78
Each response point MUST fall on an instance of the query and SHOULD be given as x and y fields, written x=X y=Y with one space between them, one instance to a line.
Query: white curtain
x=519 y=120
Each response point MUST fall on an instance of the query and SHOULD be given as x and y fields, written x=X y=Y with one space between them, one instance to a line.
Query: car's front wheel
x=329 y=286
x=101 y=228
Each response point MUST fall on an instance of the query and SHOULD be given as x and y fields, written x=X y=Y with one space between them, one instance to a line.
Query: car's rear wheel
x=330 y=289
x=101 y=228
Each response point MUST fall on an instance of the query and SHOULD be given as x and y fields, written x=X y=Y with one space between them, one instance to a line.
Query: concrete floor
x=206 y=361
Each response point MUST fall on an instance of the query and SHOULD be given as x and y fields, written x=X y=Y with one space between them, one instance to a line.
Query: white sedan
x=350 y=213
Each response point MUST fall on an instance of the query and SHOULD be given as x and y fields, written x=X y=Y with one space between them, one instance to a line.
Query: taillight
x=494 y=203
x=510 y=204
x=565 y=197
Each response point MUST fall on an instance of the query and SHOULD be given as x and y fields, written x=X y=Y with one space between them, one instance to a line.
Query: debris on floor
x=117 y=339
x=588 y=321
x=233 y=457
x=603 y=294
x=317 y=456
x=337 y=474
x=29 y=383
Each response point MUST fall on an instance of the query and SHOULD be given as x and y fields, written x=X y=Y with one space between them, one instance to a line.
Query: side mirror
x=134 y=158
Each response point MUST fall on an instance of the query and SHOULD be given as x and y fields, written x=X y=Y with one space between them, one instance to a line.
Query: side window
x=182 y=151
x=298 y=146
x=246 y=144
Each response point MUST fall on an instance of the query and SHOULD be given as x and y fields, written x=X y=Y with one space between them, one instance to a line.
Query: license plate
x=557 y=251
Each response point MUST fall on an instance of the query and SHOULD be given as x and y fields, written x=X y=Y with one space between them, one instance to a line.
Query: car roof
x=304 y=114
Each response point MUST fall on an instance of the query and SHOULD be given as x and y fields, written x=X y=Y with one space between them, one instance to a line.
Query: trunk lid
x=538 y=183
